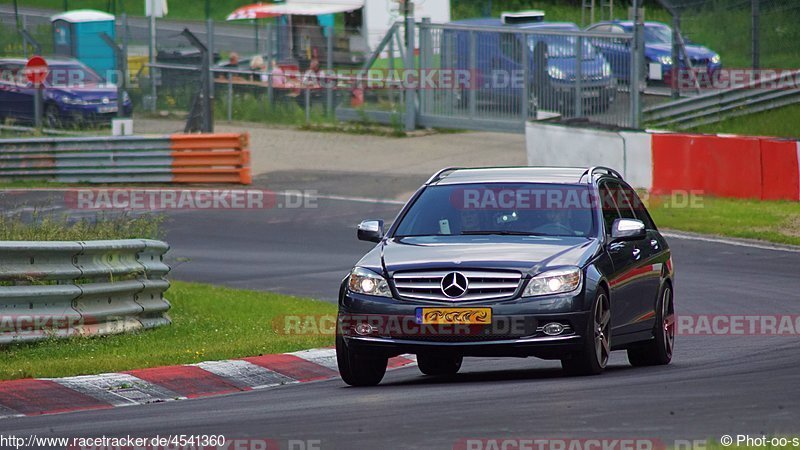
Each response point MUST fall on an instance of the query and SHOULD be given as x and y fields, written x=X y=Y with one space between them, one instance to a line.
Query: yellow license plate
x=459 y=316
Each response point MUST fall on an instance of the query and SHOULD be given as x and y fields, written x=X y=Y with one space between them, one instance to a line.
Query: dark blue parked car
x=657 y=51
x=552 y=68
x=73 y=94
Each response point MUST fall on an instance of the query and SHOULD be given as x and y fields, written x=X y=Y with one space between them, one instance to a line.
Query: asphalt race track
x=716 y=384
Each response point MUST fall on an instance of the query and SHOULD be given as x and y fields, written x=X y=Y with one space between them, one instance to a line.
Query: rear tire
x=658 y=351
x=359 y=368
x=52 y=116
x=592 y=360
x=439 y=365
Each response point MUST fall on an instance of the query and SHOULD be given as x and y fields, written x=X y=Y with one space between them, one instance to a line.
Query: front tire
x=592 y=360
x=658 y=351
x=359 y=368
x=439 y=365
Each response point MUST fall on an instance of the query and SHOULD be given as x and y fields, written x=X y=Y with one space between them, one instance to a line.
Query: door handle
x=616 y=247
x=636 y=253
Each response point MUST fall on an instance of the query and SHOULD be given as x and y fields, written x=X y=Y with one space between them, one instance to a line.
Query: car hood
x=694 y=51
x=529 y=255
x=86 y=93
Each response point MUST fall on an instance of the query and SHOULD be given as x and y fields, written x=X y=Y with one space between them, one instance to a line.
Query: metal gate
x=498 y=78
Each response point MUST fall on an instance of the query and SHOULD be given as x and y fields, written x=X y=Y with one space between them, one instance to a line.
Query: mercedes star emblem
x=454 y=284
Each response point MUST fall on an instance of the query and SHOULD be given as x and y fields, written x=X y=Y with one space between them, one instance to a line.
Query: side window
x=622 y=199
x=601 y=28
x=610 y=211
x=8 y=73
x=638 y=207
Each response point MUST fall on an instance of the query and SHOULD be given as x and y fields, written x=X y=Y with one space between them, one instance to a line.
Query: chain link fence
x=746 y=33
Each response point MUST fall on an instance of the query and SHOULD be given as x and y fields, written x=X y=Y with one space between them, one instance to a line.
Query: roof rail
x=440 y=174
x=609 y=171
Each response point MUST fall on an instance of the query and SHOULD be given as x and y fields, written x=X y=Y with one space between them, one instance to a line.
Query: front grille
x=482 y=285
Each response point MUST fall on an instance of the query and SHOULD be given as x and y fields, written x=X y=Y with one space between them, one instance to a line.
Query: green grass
x=773 y=221
x=43 y=226
x=209 y=323
x=780 y=122
x=712 y=445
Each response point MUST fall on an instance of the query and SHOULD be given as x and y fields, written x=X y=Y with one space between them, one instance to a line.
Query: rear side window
x=622 y=199
x=610 y=210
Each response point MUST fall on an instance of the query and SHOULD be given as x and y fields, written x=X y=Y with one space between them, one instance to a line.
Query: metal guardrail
x=713 y=107
x=64 y=288
x=177 y=158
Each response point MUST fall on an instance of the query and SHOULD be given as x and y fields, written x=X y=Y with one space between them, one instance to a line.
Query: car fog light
x=364 y=329
x=553 y=329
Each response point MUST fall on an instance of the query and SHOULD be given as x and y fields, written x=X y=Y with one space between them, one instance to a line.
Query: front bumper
x=93 y=113
x=516 y=328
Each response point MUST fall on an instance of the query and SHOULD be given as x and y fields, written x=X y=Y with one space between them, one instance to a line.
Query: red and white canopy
x=296 y=8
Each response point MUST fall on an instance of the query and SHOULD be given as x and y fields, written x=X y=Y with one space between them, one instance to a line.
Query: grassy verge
x=209 y=323
x=790 y=441
x=780 y=122
x=773 y=221
x=43 y=226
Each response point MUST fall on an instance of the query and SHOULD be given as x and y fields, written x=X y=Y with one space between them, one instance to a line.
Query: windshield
x=72 y=76
x=657 y=34
x=561 y=46
x=502 y=209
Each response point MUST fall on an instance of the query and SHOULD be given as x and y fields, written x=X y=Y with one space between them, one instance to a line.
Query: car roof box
x=513 y=18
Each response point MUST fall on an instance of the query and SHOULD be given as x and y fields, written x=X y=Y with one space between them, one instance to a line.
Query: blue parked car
x=657 y=51
x=73 y=94
x=551 y=64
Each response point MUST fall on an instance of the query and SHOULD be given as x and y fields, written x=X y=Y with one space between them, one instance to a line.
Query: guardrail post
x=411 y=120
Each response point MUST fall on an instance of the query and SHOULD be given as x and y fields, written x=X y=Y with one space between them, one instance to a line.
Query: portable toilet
x=77 y=34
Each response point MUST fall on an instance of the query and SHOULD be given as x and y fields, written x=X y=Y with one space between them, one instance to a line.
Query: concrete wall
x=559 y=145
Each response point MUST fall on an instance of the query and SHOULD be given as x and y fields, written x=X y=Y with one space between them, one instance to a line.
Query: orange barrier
x=211 y=158
x=780 y=169
x=721 y=166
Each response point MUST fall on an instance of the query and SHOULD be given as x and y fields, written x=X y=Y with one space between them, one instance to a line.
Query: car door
x=622 y=291
x=654 y=255
x=16 y=98
x=640 y=275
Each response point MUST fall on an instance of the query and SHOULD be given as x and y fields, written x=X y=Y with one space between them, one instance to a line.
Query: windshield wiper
x=501 y=233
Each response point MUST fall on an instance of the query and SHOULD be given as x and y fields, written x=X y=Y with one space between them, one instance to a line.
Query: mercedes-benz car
x=555 y=263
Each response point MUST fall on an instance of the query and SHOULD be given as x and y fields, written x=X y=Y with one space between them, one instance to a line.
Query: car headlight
x=363 y=281
x=73 y=100
x=606 y=69
x=554 y=282
x=715 y=59
x=556 y=73
x=665 y=60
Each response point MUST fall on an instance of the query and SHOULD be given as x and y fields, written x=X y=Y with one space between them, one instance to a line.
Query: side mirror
x=628 y=230
x=370 y=230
